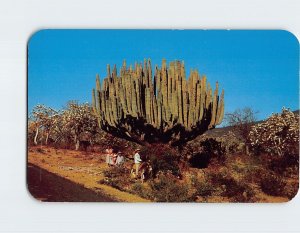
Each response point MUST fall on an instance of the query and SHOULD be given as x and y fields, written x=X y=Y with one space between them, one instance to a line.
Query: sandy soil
x=46 y=186
x=80 y=168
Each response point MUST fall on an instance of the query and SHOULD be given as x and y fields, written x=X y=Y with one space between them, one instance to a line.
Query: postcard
x=200 y=116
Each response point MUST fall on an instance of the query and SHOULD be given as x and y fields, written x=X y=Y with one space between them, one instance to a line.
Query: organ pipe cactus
x=164 y=108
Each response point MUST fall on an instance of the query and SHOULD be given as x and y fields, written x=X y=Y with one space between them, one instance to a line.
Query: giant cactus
x=165 y=108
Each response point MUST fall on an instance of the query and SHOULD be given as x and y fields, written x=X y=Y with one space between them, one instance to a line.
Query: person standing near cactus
x=137 y=161
x=109 y=156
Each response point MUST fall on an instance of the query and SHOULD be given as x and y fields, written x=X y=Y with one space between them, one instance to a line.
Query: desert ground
x=69 y=175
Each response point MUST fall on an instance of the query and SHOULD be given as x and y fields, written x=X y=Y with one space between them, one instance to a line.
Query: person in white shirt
x=108 y=152
x=120 y=159
x=137 y=161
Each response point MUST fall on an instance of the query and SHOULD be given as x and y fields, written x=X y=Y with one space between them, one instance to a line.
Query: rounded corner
x=296 y=194
x=292 y=35
x=30 y=194
x=34 y=34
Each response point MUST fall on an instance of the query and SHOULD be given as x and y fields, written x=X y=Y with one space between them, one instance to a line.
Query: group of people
x=113 y=158
x=117 y=158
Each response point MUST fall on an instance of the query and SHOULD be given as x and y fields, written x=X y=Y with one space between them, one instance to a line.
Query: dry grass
x=241 y=172
x=80 y=168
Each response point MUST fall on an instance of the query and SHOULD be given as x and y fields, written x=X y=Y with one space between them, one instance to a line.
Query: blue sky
x=258 y=69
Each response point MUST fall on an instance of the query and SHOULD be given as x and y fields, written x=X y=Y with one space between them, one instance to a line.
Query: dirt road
x=46 y=186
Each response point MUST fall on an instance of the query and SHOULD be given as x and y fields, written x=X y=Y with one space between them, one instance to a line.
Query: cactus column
x=166 y=108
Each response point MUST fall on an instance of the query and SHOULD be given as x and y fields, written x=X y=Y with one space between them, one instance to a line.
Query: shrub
x=203 y=187
x=157 y=150
x=252 y=173
x=272 y=184
x=230 y=143
x=241 y=120
x=283 y=165
x=142 y=190
x=213 y=147
x=291 y=189
x=165 y=163
x=162 y=159
x=117 y=177
x=211 y=150
x=199 y=160
x=105 y=140
x=167 y=189
x=278 y=136
x=237 y=191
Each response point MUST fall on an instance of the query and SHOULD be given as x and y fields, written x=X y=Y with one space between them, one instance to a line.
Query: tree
x=78 y=119
x=43 y=118
x=242 y=120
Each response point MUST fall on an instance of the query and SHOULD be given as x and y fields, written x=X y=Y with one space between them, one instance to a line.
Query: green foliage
x=142 y=190
x=117 y=177
x=167 y=189
x=165 y=107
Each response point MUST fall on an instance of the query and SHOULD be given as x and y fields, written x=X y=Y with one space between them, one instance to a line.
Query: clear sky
x=258 y=69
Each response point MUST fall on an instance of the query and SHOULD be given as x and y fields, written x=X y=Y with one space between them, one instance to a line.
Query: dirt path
x=46 y=186
x=84 y=170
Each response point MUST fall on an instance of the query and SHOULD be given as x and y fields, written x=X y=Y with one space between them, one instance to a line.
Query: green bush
x=117 y=177
x=141 y=190
x=167 y=189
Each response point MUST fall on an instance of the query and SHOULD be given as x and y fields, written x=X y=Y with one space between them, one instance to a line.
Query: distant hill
x=218 y=132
